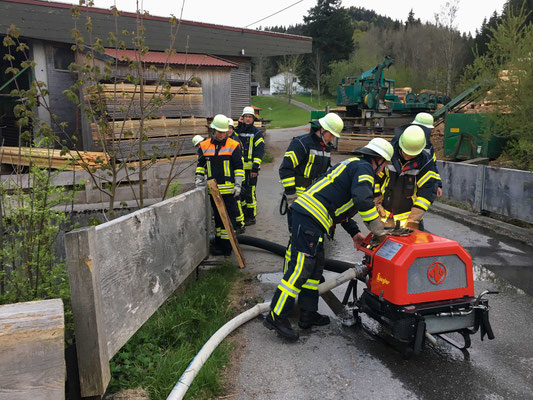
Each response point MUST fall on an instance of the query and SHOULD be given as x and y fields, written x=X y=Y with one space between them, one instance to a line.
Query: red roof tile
x=159 y=57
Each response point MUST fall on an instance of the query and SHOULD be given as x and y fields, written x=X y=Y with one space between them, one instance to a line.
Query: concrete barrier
x=120 y=272
x=32 y=348
x=503 y=191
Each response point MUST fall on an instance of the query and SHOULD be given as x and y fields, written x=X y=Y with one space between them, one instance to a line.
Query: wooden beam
x=87 y=308
x=217 y=197
x=32 y=361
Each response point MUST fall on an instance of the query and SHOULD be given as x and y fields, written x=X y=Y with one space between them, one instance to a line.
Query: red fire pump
x=419 y=286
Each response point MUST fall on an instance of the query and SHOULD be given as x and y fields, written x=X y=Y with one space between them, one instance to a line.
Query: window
x=63 y=57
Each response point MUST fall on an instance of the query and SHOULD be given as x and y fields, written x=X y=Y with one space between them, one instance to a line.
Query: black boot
x=282 y=326
x=312 y=318
x=249 y=221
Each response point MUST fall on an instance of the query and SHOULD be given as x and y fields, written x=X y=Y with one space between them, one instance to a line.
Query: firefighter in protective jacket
x=308 y=157
x=220 y=158
x=346 y=189
x=409 y=184
x=253 y=148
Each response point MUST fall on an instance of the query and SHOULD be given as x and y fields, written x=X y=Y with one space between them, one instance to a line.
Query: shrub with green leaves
x=29 y=225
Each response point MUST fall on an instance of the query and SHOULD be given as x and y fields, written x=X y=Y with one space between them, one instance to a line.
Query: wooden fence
x=120 y=272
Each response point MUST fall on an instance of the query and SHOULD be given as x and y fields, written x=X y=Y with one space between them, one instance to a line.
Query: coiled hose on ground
x=347 y=272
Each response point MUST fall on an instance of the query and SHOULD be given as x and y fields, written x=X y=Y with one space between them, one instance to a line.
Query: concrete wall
x=120 y=272
x=32 y=362
x=503 y=191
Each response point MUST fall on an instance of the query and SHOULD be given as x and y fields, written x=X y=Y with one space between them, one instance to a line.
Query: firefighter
x=220 y=158
x=347 y=188
x=240 y=215
x=425 y=121
x=253 y=148
x=307 y=157
x=196 y=140
x=409 y=184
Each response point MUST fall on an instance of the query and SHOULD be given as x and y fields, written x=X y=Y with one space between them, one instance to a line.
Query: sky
x=243 y=13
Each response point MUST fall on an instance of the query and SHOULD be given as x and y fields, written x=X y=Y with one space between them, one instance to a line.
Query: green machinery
x=371 y=95
x=468 y=136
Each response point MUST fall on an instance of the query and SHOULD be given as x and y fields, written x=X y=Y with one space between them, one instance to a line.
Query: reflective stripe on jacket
x=407 y=184
x=221 y=161
x=253 y=145
x=306 y=158
x=346 y=189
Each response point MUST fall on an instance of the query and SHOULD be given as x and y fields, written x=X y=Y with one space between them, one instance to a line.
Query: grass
x=281 y=113
x=313 y=101
x=267 y=158
x=156 y=356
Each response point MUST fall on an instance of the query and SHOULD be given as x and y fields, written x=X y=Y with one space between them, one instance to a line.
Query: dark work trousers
x=221 y=235
x=248 y=199
x=304 y=269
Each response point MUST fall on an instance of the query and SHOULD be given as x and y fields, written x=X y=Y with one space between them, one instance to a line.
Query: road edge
x=523 y=235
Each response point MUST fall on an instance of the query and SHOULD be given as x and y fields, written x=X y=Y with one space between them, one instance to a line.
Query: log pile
x=348 y=142
x=49 y=158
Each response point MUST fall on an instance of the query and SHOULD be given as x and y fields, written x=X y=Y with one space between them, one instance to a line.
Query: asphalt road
x=335 y=362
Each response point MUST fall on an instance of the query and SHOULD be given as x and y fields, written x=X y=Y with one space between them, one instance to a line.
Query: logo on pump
x=437 y=273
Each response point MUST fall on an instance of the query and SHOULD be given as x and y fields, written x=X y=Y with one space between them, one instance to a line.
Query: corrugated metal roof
x=53 y=21
x=159 y=57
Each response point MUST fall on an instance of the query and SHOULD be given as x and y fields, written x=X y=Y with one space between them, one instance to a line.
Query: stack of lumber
x=26 y=156
x=162 y=127
x=176 y=107
x=122 y=101
x=164 y=135
x=348 y=142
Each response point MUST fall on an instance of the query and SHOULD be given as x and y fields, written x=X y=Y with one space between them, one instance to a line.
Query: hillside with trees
x=427 y=55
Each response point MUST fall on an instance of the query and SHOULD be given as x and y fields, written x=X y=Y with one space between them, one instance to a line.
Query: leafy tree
x=505 y=73
x=330 y=26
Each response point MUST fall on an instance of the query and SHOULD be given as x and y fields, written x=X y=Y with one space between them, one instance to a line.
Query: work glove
x=414 y=218
x=291 y=198
x=199 y=181
x=376 y=227
x=237 y=187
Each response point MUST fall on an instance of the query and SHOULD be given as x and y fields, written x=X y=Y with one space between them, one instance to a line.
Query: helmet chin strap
x=379 y=165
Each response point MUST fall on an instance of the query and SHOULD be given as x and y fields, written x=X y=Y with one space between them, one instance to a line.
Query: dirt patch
x=129 y=394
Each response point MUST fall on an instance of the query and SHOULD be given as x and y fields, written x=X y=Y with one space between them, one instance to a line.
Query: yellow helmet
x=424 y=119
x=413 y=140
x=220 y=123
x=332 y=123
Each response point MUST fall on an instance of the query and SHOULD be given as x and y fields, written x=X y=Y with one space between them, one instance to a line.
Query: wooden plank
x=32 y=362
x=86 y=299
x=129 y=87
x=217 y=197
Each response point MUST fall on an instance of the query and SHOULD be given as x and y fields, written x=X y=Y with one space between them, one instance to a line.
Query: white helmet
x=231 y=123
x=197 y=139
x=377 y=147
x=248 y=110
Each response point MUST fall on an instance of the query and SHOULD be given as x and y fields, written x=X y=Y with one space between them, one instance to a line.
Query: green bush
x=29 y=225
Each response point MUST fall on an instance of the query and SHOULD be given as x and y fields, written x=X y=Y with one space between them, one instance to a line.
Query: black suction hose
x=330 y=265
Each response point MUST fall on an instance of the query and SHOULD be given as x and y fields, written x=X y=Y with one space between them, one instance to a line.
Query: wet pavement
x=337 y=362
